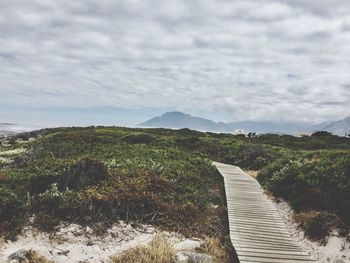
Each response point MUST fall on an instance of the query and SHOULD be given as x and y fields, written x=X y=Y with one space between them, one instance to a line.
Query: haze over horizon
x=123 y=62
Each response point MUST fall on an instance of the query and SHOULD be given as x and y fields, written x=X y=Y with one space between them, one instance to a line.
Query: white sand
x=74 y=243
x=337 y=249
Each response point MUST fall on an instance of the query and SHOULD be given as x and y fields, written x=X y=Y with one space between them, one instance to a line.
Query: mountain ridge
x=340 y=127
x=178 y=120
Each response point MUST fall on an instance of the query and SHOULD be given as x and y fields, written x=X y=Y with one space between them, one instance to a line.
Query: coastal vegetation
x=165 y=178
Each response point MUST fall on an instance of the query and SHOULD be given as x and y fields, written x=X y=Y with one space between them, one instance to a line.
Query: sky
x=120 y=62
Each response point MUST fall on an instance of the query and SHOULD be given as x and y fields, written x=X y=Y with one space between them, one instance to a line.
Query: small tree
x=321 y=134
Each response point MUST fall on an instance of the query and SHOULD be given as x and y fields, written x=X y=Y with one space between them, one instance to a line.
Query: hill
x=178 y=120
x=340 y=127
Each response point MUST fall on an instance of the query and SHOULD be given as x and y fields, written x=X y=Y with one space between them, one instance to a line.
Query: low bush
x=12 y=213
x=191 y=142
x=138 y=138
x=164 y=186
x=85 y=172
x=251 y=156
x=318 y=224
x=10 y=204
x=321 y=134
x=319 y=181
x=162 y=176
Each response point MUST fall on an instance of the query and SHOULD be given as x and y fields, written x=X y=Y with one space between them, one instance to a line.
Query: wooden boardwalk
x=257 y=231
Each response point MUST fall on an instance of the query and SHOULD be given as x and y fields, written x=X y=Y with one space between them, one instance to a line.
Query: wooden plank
x=254 y=245
x=256 y=229
x=264 y=241
x=260 y=230
x=274 y=256
x=248 y=233
x=269 y=251
x=264 y=246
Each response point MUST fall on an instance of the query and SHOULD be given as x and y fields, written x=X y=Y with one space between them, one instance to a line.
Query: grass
x=159 y=250
x=162 y=177
x=253 y=174
x=213 y=246
x=90 y=175
x=33 y=256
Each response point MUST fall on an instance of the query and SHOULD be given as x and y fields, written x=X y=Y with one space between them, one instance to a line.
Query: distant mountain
x=319 y=126
x=340 y=127
x=179 y=120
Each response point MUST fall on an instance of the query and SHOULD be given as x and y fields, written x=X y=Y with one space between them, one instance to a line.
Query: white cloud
x=270 y=60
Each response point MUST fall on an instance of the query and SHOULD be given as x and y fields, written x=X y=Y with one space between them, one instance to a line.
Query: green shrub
x=311 y=181
x=318 y=224
x=139 y=138
x=251 y=156
x=191 y=142
x=10 y=204
x=163 y=176
x=54 y=204
x=321 y=134
x=12 y=213
x=85 y=172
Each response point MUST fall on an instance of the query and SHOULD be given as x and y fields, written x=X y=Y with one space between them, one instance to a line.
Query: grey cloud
x=224 y=57
x=321 y=7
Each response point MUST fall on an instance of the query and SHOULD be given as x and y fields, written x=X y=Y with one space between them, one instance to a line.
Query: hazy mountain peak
x=177 y=120
x=340 y=127
x=175 y=113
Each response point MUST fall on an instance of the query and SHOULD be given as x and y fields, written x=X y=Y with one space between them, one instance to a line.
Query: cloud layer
x=259 y=60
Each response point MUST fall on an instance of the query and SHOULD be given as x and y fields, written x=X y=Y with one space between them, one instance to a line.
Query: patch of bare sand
x=75 y=243
x=336 y=250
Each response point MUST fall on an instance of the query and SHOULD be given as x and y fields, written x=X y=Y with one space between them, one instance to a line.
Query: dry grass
x=33 y=256
x=212 y=246
x=159 y=250
x=252 y=173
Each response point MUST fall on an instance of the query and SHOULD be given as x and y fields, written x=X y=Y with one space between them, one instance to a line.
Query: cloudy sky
x=80 y=62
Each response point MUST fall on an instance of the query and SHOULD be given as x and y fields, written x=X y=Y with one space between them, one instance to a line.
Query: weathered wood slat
x=281 y=252
x=256 y=229
x=254 y=245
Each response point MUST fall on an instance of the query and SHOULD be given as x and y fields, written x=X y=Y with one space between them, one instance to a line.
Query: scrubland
x=165 y=178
